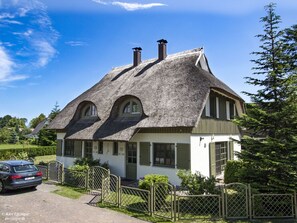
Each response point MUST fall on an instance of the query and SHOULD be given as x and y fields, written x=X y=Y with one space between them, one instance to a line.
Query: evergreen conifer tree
x=270 y=149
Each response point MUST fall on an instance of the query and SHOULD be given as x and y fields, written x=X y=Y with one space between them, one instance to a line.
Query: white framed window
x=164 y=154
x=100 y=147
x=221 y=151
x=228 y=114
x=127 y=108
x=115 y=151
x=89 y=149
x=207 y=108
x=130 y=107
x=89 y=111
x=217 y=107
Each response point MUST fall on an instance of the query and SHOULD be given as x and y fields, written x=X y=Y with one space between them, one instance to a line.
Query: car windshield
x=24 y=168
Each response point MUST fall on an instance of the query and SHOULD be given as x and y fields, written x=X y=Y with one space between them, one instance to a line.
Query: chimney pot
x=162 y=49
x=136 y=56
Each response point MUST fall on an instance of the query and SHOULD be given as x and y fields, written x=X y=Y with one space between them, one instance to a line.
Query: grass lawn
x=45 y=159
x=70 y=192
x=16 y=146
x=156 y=219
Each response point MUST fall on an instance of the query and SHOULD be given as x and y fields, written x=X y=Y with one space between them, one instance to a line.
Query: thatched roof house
x=176 y=95
x=172 y=92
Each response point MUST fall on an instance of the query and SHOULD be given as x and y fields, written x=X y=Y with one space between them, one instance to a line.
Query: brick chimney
x=162 y=49
x=136 y=56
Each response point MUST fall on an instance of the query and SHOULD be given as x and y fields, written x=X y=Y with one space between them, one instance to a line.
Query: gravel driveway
x=41 y=205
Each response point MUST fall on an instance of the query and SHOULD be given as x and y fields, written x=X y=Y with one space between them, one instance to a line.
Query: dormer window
x=89 y=111
x=127 y=108
x=131 y=107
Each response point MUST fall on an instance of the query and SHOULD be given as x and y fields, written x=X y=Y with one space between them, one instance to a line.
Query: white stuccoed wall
x=116 y=163
x=60 y=135
x=200 y=151
x=159 y=138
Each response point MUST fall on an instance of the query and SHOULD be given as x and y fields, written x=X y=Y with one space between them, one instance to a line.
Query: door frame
x=126 y=159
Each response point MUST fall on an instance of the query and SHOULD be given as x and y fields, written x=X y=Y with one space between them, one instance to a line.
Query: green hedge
x=6 y=154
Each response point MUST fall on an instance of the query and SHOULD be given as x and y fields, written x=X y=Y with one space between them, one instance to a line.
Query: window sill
x=164 y=166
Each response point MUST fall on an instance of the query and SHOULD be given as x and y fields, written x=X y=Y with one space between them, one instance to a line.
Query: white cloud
x=7 y=21
x=133 y=6
x=76 y=43
x=45 y=52
x=6 y=15
x=9 y=44
x=33 y=39
x=100 y=2
x=136 y=6
x=13 y=78
x=6 y=68
x=6 y=64
x=23 y=11
x=28 y=33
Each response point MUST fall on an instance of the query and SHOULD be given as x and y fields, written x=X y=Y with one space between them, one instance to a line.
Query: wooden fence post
x=250 y=201
x=118 y=189
x=223 y=201
x=87 y=179
x=174 y=203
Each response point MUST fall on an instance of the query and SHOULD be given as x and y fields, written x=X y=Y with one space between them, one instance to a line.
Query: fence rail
x=236 y=201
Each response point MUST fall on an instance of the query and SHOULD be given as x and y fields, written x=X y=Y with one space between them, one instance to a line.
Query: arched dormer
x=130 y=107
x=127 y=107
x=86 y=110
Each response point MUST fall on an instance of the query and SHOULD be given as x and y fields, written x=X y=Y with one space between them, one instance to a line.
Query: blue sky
x=52 y=50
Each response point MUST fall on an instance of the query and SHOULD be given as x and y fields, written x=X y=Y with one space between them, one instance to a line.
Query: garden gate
x=96 y=176
x=236 y=201
x=55 y=171
x=163 y=200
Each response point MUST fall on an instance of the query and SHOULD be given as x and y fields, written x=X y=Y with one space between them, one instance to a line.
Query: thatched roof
x=173 y=93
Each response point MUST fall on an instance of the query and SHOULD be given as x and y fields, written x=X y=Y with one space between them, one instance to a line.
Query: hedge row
x=32 y=152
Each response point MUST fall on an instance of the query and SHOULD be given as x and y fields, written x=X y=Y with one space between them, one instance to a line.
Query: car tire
x=2 y=188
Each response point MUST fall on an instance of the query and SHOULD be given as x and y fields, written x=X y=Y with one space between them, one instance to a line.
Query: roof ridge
x=170 y=56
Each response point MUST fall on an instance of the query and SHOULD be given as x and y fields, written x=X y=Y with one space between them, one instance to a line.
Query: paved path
x=35 y=206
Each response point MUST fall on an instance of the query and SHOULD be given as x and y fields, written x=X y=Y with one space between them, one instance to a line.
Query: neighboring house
x=35 y=132
x=155 y=116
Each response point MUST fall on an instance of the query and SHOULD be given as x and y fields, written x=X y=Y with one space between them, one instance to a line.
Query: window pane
x=221 y=156
x=127 y=108
x=87 y=112
x=24 y=168
x=135 y=107
x=69 y=148
x=93 y=111
x=100 y=149
x=164 y=154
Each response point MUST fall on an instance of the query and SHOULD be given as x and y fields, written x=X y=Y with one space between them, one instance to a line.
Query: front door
x=131 y=161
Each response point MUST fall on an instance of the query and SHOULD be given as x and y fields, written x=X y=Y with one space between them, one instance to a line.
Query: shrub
x=197 y=184
x=161 y=187
x=233 y=171
x=150 y=179
x=90 y=162
x=79 y=168
x=76 y=175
